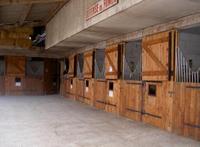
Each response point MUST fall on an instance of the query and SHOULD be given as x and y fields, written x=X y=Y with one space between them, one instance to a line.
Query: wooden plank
x=113 y=97
x=16 y=37
x=37 y=89
x=10 y=85
x=71 y=66
x=192 y=111
x=100 y=93
x=71 y=88
x=25 y=14
x=131 y=99
x=155 y=57
x=157 y=109
x=15 y=65
x=80 y=90
x=51 y=78
x=178 y=108
x=154 y=73
x=157 y=41
x=88 y=64
x=111 y=61
x=8 y=2
x=186 y=110
x=89 y=91
x=55 y=10
x=26 y=87
x=2 y=85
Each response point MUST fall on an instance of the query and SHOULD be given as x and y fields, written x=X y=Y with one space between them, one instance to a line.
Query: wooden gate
x=186 y=110
x=89 y=91
x=100 y=91
x=2 y=86
x=71 y=66
x=88 y=64
x=153 y=100
x=192 y=111
x=51 y=78
x=131 y=99
x=15 y=75
x=15 y=65
x=157 y=104
x=112 y=61
x=113 y=96
x=80 y=90
x=157 y=71
x=156 y=57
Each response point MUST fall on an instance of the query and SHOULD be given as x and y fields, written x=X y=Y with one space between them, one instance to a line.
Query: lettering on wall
x=99 y=7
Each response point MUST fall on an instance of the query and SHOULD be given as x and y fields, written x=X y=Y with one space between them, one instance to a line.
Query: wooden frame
x=113 y=58
x=156 y=57
x=99 y=64
x=88 y=64
x=80 y=66
x=71 y=70
x=80 y=90
x=71 y=87
x=15 y=65
x=132 y=60
x=100 y=93
x=157 y=99
x=113 y=96
x=89 y=91
x=131 y=95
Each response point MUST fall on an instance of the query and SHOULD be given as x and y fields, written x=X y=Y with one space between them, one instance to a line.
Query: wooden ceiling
x=28 y=12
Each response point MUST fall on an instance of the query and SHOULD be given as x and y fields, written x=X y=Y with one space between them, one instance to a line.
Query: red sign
x=99 y=7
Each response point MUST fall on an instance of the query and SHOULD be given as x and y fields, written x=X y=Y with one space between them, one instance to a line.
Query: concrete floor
x=52 y=121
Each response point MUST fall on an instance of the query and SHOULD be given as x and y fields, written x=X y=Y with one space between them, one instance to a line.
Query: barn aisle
x=53 y=121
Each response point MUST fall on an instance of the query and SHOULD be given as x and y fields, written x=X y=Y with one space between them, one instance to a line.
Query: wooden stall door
x=155 y=57
x=192 y=111
x=100 y=93
x=51 y=76
x=89 y=91
x=131 y=93
x=112 y=98
x=71 y=66
x=112 y=62
x=157 y=105
x=2 y=85
x=67 y=85
x=80 y=90
x=15 y=65
x=88 y=64
x=153 y=102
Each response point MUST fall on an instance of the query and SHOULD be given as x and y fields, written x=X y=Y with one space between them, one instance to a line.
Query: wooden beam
x=54 y=11
x=10 y=2
x=25 y=14
x=16 y=25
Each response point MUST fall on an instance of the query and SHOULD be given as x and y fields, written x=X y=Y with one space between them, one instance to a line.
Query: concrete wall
x=181 y=23
x=71 y=19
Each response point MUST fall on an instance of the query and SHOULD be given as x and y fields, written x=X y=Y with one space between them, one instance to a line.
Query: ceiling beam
x=25 y=14
x=55 y=10
x=10 y=2
x=15 y=25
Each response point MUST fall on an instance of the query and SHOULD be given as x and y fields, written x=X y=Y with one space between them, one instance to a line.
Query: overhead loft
x=28 y=12
x=22 y=26
x=79 y=32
